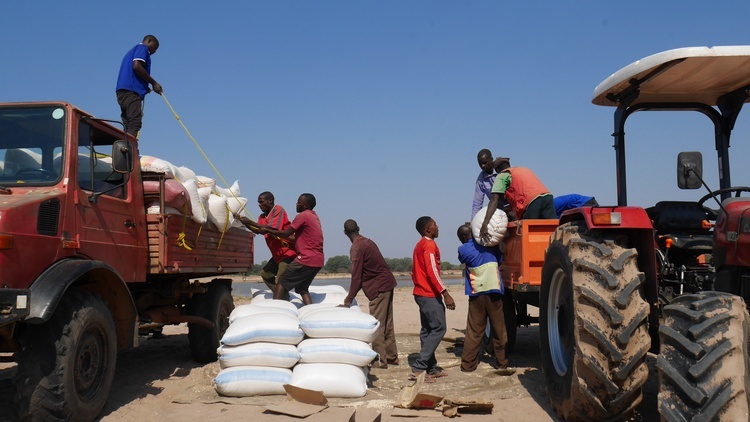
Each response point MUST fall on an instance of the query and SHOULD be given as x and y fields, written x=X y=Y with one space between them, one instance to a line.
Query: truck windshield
x=31 y=145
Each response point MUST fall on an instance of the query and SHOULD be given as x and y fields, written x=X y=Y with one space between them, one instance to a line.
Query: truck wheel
x=511 y=324
x=703 y=364
x=593 y=326
x=215 y=305
x=66 y=365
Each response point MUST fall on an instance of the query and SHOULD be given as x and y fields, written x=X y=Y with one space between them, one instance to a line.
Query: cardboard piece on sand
x=452 y=407
x=410 y=396
x=300 y=403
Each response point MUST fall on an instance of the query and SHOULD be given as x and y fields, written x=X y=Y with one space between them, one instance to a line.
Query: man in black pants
x=133 y=83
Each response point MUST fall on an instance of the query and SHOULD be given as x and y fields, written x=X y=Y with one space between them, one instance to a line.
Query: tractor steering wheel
x=735 y=189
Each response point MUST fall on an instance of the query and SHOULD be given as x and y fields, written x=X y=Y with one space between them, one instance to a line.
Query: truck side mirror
x=689 y=170
x=122 y=156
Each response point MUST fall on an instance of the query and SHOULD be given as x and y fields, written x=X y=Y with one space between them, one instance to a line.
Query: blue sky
x=378 y=108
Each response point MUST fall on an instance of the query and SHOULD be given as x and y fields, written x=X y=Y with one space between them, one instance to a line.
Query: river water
x=245 y=288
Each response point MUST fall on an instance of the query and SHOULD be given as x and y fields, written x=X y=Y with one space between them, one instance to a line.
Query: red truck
x=85 y=270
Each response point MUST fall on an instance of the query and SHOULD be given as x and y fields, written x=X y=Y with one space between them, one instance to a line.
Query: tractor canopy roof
x=683 y=75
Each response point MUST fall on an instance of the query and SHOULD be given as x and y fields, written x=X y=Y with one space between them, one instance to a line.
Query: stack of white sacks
x=197 y=196
x=320 y=347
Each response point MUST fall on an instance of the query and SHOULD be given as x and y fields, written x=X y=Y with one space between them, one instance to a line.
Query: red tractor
x=620 y=281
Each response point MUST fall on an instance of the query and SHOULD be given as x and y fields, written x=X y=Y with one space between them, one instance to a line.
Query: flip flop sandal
x=427 y=379
x=438 y=374
x=504 y=371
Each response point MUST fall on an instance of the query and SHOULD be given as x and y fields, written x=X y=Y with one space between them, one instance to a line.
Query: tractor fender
x=91 y=275
x=631 y=217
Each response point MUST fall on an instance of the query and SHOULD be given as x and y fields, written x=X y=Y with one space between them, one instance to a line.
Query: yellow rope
x=285 y=242
x=181 y=241
x=204 y=154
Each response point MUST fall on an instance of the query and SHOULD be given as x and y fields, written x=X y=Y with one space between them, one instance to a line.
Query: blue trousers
x=432 y=318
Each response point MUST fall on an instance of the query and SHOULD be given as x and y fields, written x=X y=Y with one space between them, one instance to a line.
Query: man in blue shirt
x=133 y=81
x=485 y=180
x=484 y=287
x=573 y=200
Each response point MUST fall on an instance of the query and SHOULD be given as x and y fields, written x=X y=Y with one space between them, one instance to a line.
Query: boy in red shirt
x=429 y=293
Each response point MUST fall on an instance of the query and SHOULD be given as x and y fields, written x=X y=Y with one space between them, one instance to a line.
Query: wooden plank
x=206 y=251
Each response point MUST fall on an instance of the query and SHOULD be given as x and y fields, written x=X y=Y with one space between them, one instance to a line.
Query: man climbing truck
x=618 y=281
x=84 y=268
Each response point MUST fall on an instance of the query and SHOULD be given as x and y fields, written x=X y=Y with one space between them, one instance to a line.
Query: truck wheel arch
x=94 y=276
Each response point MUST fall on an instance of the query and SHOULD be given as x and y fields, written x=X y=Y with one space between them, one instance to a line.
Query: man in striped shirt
x=429 y=293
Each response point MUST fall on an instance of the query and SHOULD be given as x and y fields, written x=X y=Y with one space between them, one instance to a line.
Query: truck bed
x=204 y=251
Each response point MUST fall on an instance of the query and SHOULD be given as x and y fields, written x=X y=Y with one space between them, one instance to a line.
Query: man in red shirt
x=429 y=293
x=282 y=251
x=307 y=234
x=371 y=274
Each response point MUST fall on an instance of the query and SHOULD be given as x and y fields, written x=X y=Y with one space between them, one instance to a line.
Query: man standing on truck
x=485 y=180
x=133 y=81
x=282 y=250
x=526 y=195
x=371 y=274
x=484 y=287
x=307 y=234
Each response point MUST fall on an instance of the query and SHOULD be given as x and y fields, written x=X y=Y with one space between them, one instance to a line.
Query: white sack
x=336 y=350
x=157 y=165
x=340 y=323
x=260 y=295
x=496 y=226
x=237 y=206
x=259 y=354
x=328 y=288
x=333 y=379
x=245 y=381
x=218 y=212
x=198 y=210
x=231 y=192
x=283 y=329
x=205 y=182
x=183 y=173
x=315 y=307
x=255 y=308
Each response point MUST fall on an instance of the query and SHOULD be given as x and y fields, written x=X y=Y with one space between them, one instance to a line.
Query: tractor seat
x=678 y=217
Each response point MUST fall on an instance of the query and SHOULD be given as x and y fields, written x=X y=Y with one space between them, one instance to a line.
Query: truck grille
x=49 y=212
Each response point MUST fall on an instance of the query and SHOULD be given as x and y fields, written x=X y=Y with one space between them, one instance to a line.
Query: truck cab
x=61 y=199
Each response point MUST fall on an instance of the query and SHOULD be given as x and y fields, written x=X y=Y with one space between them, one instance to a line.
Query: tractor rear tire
x=593 y=325
x=67 y=364
x=703 y=365
x=215 y=305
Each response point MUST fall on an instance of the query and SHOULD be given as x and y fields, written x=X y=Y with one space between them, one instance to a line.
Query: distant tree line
x=342 y=264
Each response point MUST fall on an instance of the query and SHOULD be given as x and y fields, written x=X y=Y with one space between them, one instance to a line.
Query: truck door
x=110 y=221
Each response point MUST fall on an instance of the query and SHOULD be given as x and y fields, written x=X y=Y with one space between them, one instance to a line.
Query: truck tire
x=215 y=305
x=511 y=323
x=703 y=363
x=593 y=326
x=66 y=365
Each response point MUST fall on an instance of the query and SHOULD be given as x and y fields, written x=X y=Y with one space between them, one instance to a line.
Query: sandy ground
x=160 y=381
